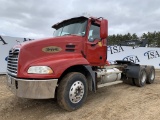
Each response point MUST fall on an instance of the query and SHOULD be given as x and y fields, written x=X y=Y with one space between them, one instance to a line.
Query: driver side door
x=96 y=48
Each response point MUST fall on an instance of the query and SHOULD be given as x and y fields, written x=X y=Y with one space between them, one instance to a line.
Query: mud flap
x=131 y=70
x=92 y=86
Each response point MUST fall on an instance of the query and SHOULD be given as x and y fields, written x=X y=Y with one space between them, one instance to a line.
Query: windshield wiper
x=70 y=34
x=66 y=34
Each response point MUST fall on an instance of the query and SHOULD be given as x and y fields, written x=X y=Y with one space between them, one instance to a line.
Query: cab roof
x=59 y=24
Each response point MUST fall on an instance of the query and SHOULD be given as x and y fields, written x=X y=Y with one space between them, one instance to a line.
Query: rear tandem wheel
x=145 y=75
x=150 y=74
x=141 y=80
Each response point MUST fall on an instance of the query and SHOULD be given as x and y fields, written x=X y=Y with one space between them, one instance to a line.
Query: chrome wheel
x=141 y=80
x=152 y=75
x=76 y=92
x=72 y=91
x=144 y=77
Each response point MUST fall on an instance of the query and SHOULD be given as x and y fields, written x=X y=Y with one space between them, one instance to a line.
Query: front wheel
x=72 y=91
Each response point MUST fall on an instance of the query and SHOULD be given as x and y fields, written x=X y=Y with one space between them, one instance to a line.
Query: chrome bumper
x=35 y=89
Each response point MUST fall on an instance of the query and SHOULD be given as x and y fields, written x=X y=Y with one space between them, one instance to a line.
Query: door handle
x=93 y=44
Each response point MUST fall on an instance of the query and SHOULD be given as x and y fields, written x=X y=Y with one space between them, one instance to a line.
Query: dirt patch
x=116 y=102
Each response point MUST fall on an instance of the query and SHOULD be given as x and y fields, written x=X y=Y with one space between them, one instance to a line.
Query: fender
x=93 y=76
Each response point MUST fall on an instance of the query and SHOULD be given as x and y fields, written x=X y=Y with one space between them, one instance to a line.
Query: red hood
x=48 y=41
x=35 y=48
x=34 y=51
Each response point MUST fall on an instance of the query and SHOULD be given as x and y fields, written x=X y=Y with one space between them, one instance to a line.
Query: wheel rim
x=76 y=92
x=144 y=76
x=152 y=75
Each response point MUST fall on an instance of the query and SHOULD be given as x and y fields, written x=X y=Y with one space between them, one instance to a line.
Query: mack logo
x=115 y=49
x=152 y=54
x=132 y=58
x=51 y=49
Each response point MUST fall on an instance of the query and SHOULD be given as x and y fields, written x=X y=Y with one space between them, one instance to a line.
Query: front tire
x=72 y=91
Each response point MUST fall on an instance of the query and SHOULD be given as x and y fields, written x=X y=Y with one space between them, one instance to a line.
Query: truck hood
x=51 y=48
x=51 y=41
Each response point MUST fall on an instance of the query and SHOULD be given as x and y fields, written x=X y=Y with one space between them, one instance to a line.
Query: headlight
x=40 y=70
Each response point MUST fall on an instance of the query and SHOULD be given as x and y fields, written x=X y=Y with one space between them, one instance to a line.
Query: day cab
x=69 y=64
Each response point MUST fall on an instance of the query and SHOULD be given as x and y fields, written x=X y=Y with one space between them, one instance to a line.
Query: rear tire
x=141 y=80
x=72 y=91
x=150 y=74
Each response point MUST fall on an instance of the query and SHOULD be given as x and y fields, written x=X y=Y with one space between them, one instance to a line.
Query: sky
x=34 y=18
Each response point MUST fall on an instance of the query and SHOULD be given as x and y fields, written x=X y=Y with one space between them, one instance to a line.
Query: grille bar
x=12 y=67
x=10 y=61
x=11 y=70
x=12 y=64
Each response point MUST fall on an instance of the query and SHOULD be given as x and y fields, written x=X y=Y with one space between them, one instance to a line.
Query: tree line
x=153 y=38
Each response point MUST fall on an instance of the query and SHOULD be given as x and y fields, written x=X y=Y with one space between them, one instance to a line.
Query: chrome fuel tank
x=108 y=75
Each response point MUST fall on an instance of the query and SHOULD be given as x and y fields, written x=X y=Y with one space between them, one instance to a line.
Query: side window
x=94 y=32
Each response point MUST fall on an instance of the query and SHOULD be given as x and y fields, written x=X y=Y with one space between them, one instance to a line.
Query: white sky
x=34 y=18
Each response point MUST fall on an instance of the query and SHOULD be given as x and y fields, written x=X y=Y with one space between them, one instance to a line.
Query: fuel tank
x=108 y=75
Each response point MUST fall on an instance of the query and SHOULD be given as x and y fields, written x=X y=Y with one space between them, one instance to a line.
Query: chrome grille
x=12 y=64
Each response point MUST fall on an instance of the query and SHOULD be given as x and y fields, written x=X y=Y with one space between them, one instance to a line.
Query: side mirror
x=104 y=29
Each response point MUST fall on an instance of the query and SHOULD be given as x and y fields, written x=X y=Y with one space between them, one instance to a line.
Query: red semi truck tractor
x=70 y=64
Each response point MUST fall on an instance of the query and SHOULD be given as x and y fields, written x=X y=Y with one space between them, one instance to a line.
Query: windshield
x=72 y=27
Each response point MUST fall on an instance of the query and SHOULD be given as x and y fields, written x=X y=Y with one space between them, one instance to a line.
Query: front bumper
x=35 y=89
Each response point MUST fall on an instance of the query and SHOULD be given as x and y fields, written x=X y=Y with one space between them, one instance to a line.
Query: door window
x=94 y=32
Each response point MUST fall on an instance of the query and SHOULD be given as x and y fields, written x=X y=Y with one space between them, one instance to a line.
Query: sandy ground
x=116 y=102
